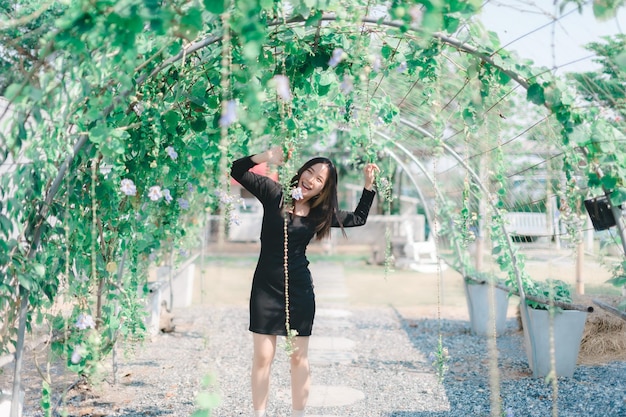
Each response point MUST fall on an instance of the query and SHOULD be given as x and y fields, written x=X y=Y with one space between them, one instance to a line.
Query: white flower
x=336 y=58
x=229 y=113
x=128 y=187
x=402 y=67
x=416 y=14
x=296 y=193
x=155 y=193
x=77 y=354
x=167 y=195
x=376 y=63
x=225 y=199
x=171 y=152
x=282 y=87
x=84 y=321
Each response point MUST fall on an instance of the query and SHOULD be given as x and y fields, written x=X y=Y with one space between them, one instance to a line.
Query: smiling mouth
x=306 y=187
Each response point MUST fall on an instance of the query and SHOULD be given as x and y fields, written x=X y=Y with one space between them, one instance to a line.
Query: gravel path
x=389 y=365
x=366 y=362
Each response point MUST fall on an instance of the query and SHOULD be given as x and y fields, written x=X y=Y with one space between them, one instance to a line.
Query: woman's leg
x=264 y=350
x=300 y=376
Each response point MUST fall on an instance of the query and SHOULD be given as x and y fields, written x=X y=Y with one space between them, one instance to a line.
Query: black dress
x=267 y=298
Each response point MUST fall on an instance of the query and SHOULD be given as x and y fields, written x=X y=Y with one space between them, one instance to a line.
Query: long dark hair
x=324 y=206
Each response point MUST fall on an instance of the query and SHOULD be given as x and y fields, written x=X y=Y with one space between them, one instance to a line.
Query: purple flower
x=128 y=187
x=234 y=218
x=229 y=113
x=509 y=412
x=183 y=204
x=84 y=321
x=402 y=67
x=346 y=85
x=190 y=188
x=171 y=152
x=296 y=193
x=336 y=58
x=155 y=193
x=282 y=87
x=167 y=195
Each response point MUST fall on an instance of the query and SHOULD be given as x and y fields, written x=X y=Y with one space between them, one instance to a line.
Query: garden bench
x=528 y=224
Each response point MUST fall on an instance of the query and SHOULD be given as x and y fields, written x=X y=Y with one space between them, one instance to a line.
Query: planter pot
x=182 y=283
x=162 y=294
x=478 y=304
x=5 y=403
x=568 y=326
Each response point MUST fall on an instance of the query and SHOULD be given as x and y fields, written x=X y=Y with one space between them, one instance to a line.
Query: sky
x=512 y=19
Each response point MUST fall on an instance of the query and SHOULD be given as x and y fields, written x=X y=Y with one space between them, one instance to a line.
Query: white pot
x=479 y=304
x=5 y=403
x=568 y=326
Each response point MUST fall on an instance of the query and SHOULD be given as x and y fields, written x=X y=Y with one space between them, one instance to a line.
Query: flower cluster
x=296 y=193
x=282 y=87
x=439 y=360
x=171 y=152
x=85 y=321
x=78 y=353
x=336 y=58
x=229 y=200
x=155 y=193
x=183 y=204
x=229 y=112
x=128 y=187
x=346 y=85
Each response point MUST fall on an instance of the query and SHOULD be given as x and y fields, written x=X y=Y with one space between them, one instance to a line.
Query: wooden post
x=580 y=260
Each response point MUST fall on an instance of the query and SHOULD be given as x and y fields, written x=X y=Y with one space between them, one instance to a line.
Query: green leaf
x=207 y=400
x=39 y=270
x=535 y=94
x=609 y=182
x=5 y=225
x=214 y=6
x=191 y=23
x=27 y=282
x=198 y=125
x=386 y=51
x=605 y=9
x=618 y=196
x=12 y=91
x=314 y=19
x=170 y=120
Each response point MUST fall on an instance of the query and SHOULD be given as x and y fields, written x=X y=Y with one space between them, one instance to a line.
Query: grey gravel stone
x=389 y=365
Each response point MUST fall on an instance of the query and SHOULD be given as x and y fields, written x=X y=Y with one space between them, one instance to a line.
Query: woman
x=313 y=211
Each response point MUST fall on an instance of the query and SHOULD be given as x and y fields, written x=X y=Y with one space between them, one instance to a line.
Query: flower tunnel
x=134 y=112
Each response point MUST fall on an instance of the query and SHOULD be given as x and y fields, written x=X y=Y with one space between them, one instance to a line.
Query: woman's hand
x=273 y=156
x=370 y=171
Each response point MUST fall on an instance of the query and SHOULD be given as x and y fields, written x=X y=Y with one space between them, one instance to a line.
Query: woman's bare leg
x=264 y=350
x=300 y=375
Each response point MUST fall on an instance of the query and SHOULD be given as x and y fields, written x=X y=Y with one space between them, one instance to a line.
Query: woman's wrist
x=260 y=158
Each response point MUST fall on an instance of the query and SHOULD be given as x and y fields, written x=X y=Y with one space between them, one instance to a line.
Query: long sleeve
x=358 y=217
x=263 y=188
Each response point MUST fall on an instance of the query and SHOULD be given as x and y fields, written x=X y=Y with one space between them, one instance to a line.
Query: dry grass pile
x=604 y=337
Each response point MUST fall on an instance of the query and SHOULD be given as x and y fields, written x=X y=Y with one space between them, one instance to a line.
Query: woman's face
x=313 y=179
